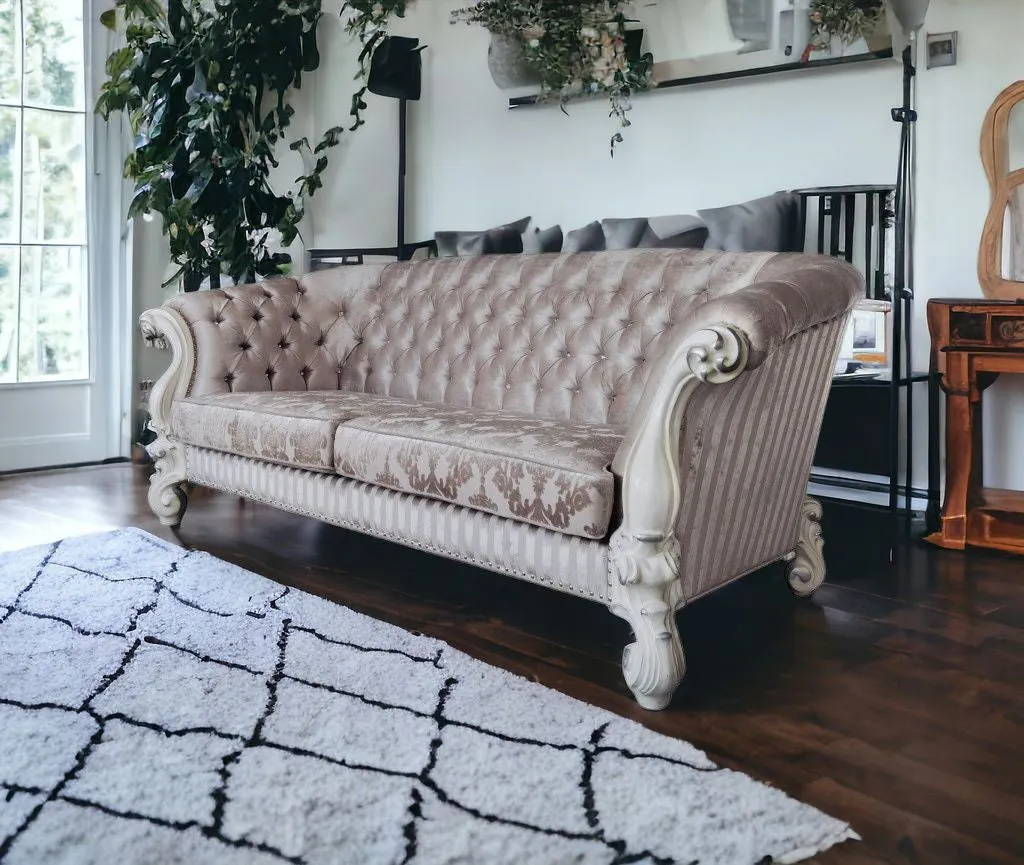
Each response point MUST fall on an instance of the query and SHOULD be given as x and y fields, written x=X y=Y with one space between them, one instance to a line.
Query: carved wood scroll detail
x=1011 y=330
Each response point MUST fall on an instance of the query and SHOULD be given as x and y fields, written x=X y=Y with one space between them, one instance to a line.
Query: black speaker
x=396 y=68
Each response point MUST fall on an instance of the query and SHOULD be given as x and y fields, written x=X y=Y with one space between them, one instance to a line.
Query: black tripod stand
x=903 y=279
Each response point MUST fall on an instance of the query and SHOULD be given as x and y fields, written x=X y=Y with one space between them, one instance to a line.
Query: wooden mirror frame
x=995 y=155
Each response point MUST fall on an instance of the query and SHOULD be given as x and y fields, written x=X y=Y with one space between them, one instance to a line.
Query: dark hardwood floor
x=894 y=699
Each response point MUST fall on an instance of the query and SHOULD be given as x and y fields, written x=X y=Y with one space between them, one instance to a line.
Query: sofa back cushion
x=568 y=337
x=565 y=337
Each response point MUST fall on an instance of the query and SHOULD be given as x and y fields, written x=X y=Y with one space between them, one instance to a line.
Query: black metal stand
x=402 y=251
x=903 y=290
x=403 y=116
x=864 y=429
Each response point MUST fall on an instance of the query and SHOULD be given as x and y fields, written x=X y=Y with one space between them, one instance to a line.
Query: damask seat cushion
x=548 y=473
x=294 y=428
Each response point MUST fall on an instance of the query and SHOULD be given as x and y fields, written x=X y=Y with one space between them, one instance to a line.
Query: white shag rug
x=162 y=706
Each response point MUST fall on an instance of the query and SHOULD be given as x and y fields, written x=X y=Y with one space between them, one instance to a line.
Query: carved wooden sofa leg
x=645 y=592
x=168 y=496
x=806 y=570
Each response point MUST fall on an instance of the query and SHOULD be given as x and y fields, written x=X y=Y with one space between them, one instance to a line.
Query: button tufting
x=244 y=346
x=283 y=344
x=270 y=373
x=295 y=316
x=257 y=316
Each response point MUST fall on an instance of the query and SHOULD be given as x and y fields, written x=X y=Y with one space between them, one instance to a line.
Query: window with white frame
x=44 y=306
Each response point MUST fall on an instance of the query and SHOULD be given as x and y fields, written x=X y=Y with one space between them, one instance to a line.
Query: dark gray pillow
x=675 y=232
x=536 y=241
x=504 y=239
x=695 y=238
x=623 y=233
x=590 y=238
x=769 y=224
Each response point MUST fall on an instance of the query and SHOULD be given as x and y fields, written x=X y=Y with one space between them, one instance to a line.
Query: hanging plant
x=846 y=20
x=368 y=22
x=205 y=86
x=576 y=49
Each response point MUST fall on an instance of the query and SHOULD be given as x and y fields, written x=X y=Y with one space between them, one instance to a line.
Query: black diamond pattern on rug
x=158 y=705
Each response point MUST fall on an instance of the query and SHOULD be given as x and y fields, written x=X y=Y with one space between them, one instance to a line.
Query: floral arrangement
x=847 y=20
x=576 y=49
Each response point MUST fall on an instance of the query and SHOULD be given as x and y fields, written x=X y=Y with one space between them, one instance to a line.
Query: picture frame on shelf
x=868 y=333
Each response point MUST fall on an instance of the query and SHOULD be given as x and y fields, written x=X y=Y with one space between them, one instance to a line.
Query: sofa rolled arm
x=722 y=339
x=719 y=341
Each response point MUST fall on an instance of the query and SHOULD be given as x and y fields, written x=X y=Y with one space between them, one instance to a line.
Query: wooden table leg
x=963 y=419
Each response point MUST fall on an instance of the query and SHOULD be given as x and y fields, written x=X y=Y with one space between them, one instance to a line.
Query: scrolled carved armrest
x=151 y=335
x=647 y=461
x=165 y=329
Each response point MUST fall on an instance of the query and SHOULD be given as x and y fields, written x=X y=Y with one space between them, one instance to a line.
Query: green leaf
x=108 y=18
x=310 y=53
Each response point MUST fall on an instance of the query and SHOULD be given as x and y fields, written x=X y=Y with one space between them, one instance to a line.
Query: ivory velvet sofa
x=635 y=428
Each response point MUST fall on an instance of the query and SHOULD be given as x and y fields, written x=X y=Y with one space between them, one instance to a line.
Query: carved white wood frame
x=164 y=328
x=644 y=552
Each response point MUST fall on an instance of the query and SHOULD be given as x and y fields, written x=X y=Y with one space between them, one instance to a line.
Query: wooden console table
x=973 y=342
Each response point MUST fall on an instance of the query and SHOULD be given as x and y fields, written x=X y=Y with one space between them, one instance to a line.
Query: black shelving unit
x=864 y=430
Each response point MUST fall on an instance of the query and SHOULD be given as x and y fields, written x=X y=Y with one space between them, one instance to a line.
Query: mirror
x=1012 y=268
x=1001 y=256
x=1013 y=234
x=707 y=39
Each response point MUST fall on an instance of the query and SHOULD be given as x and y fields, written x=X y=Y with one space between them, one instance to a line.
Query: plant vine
x=205 y=87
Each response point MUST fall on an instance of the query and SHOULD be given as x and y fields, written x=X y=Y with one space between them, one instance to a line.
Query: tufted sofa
x=635 y=427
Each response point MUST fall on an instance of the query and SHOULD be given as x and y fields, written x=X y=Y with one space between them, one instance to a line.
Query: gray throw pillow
x=623 y=233
x=769 y=224
x=537 y=241
x=675 y=232
x=590 y=238
x=504 y=239
x=695 y=238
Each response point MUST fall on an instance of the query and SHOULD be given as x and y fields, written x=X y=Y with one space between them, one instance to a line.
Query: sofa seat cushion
x=293 y=428
x=548 y=473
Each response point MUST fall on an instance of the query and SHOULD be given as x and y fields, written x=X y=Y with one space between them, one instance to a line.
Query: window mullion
x=20 y=31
